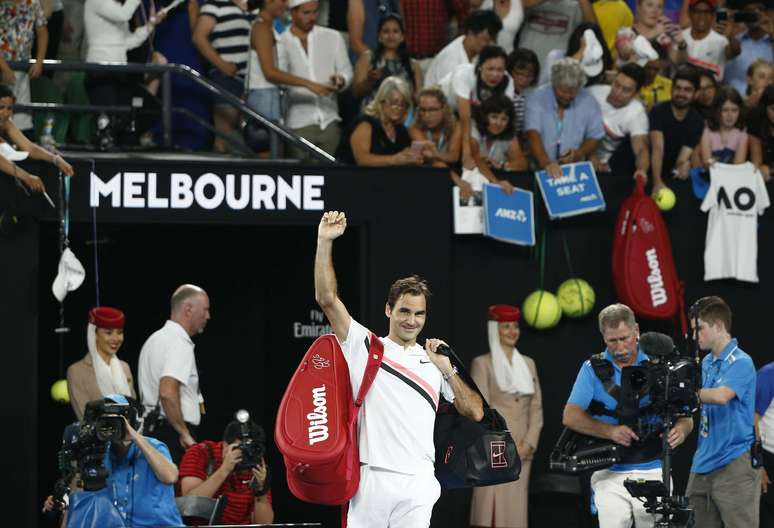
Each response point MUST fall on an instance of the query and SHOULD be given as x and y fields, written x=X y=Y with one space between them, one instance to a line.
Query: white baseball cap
x=592 y=62
x=70 y=275
x=296 y=3
x=8 y=152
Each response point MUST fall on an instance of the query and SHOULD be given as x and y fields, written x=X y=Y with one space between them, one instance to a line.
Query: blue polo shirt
x=589 y=387
x=726 y=431
x=581 y=120
x=138 y=495
x=735 y=72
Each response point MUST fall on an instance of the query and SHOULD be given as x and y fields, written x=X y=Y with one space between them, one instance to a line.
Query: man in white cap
x=320 y=54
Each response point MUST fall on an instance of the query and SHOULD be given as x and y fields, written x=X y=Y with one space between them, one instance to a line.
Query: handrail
x=56 y=107
x=166 y=71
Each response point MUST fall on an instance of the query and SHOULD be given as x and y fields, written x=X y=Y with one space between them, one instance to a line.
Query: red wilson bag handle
x=375 y=353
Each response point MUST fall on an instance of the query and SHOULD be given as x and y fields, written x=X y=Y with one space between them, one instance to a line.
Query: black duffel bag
x=470 y=454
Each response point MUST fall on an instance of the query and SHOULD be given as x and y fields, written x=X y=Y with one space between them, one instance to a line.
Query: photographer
x=592 y=410
x=723 y=486
x=234 y=467
x=122 y=473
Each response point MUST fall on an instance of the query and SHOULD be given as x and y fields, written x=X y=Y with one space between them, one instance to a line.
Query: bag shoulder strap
x=462 y=371
x=604 y=371
x=375 y=355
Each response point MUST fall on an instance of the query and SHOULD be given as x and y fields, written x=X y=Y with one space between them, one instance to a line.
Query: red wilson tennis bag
x=316 y=428
x=644 y=270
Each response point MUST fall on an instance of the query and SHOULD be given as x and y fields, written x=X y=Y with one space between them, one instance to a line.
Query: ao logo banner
x=509 y=217
x=576 y=192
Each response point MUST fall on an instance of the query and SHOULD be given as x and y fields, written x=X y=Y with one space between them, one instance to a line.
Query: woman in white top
x=263 y=72
x=106 y=24
x=107 y=29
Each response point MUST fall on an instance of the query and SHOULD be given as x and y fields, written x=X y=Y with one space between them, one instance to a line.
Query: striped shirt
x=231 y=35
x=241 y=502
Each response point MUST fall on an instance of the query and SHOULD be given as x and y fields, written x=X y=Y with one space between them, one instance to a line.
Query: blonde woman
x=436 y=126
x=379 y=138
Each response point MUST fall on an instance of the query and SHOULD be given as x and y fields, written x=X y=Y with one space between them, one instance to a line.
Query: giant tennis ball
x=541 y=309
x=665 y=198
x=576 y=297
x=59 y=391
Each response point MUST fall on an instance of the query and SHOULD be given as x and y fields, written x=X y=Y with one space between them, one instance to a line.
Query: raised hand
x=332 y=225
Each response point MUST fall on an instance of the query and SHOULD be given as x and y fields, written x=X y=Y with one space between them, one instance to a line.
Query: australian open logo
x=497 y=454
x=318 y=419
x=320 y=362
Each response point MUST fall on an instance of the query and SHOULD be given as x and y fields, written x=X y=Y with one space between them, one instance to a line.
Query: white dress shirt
x=169 y=352
x=326 y=57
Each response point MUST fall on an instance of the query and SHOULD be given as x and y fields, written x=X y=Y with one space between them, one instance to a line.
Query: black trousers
x=167 y=434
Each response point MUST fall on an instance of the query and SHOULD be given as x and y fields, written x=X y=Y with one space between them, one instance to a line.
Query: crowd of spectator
x=388 y=82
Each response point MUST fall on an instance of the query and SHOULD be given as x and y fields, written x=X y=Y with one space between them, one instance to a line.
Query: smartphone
x=721 y=15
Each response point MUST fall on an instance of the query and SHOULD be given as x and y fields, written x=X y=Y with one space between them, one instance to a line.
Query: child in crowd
x=724 y=139
x=524 y=67
x=494 y=144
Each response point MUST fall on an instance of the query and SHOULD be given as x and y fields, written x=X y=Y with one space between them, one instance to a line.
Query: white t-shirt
x=395 y=426
x=446 y=61
x=629 y=120
x=709 y=52
x=169 y=351
x=736 y=196
x=462 y=83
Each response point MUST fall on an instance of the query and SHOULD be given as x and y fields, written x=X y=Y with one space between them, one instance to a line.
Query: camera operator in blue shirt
x=592 y=410
x=724 y=487
x=125 y=482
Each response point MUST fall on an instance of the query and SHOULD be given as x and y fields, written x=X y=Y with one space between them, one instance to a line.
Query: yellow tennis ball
x=665 y=198
x=59 y=391
x=541 y=310
x=576 y=297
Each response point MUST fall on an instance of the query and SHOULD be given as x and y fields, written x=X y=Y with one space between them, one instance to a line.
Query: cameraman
x=723 y=486
x=138 y=487
x=591 y=410
x=212 y=469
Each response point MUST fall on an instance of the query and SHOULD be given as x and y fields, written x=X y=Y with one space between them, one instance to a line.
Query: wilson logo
x=320 y=362
x=318 y=430
x=658 y=295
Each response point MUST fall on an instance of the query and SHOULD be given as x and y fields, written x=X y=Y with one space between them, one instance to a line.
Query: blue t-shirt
x=589 y=387
x=140 y=497
x=726 y=431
